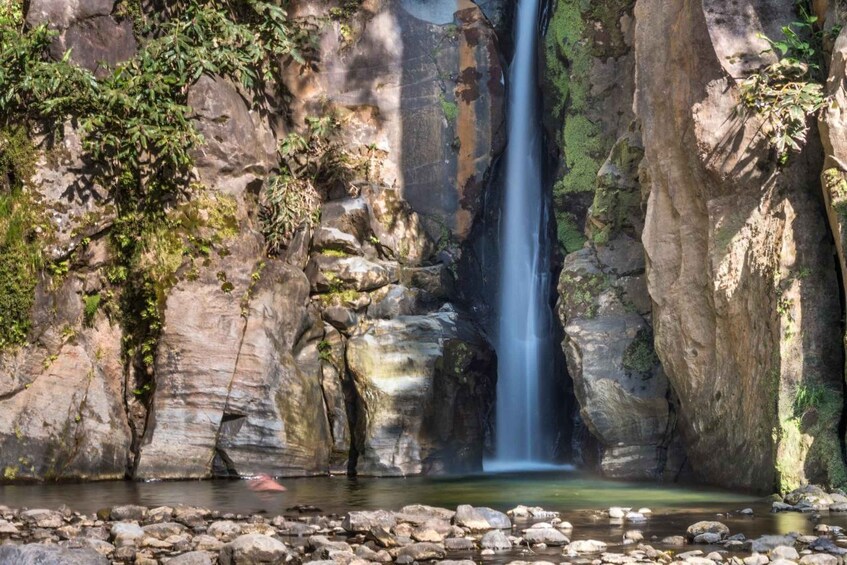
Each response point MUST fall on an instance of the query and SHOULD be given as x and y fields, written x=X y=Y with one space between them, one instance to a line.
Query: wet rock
x=459 y=544
x=422 y=552
x=708 y=538
x=585 y=546
x=128 y=512
x=545 y=535
x=707 y=527
x=673 y=540
x=253 y=548
x=496 y=540
x=764 y=544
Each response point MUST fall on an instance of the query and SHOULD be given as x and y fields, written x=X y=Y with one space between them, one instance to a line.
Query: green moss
x=579 y=32
x=450 y=109
x=91 y=304
x=334 y=253
x=579 y=292
x=640 y=356
x=569 y=235
x=809 y=448
x=10 y=473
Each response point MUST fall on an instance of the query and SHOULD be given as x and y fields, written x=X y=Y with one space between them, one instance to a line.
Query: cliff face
x=274 y=362
x=247 y=326
x=746 y=306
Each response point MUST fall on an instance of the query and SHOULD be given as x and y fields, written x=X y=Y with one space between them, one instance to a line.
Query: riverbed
x=580 y=498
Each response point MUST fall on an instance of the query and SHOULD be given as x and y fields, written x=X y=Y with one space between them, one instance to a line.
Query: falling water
x=524 y=337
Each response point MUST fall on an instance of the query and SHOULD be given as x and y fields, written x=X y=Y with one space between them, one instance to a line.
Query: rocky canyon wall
x=344 y=350
x=701 y=291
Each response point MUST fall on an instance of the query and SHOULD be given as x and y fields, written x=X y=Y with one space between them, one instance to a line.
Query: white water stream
x=524 y=347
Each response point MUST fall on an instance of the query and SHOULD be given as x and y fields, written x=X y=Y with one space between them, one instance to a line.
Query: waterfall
x=524 y=341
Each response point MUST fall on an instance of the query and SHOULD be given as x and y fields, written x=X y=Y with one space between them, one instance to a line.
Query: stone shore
x=186 y=535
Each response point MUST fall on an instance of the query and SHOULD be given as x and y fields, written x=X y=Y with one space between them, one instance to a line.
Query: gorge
x=237 y=239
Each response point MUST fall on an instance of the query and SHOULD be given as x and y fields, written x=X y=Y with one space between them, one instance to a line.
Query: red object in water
x=264 y=483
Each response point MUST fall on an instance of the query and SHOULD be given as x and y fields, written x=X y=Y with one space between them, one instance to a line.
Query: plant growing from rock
x=312 y=164
x=788 y=93
x=137 y=130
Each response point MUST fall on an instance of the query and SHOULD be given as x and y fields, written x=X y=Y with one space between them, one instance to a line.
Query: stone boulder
x=38 y=554
x=253 y=549
x=424 y=387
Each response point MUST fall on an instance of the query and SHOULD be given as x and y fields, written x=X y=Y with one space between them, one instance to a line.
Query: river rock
x=460 y=544
x=126 y=533
x=226 y=530
x=42 y=518
x=422 y=552
x=708 y=538
x=818 y=559
x=585 y=546
x=707 y=527
x=431 y=377
x=784 y=552
x=469 y=517
x=192 y=558
x=764 y=544
x=547 y=536
x=362 y=521
x=496 y=540
x=128 y=512
x=252 y=549
x=37 y=554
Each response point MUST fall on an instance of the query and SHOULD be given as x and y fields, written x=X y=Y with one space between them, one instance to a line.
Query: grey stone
x=496 y=540
x=252 y=549
x=37 y=554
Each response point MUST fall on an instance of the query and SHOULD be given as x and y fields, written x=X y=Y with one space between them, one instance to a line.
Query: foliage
x=138 y=132
x=786 y=94
x=20 y=222
x=91 y=304
x=312 y=164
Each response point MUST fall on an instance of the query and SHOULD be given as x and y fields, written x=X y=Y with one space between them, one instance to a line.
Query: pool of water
x=577 y=496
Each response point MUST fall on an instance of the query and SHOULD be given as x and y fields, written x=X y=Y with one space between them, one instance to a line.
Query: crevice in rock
x=230 y=420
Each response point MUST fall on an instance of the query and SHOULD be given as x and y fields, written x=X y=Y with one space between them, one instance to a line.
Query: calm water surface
x=578 y=497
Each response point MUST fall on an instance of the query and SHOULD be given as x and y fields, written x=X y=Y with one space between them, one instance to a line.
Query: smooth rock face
x=738 y=258
x=252 y=390
x=61 y=400
x=395 y=72
x=239 y=146
x=429 y=377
